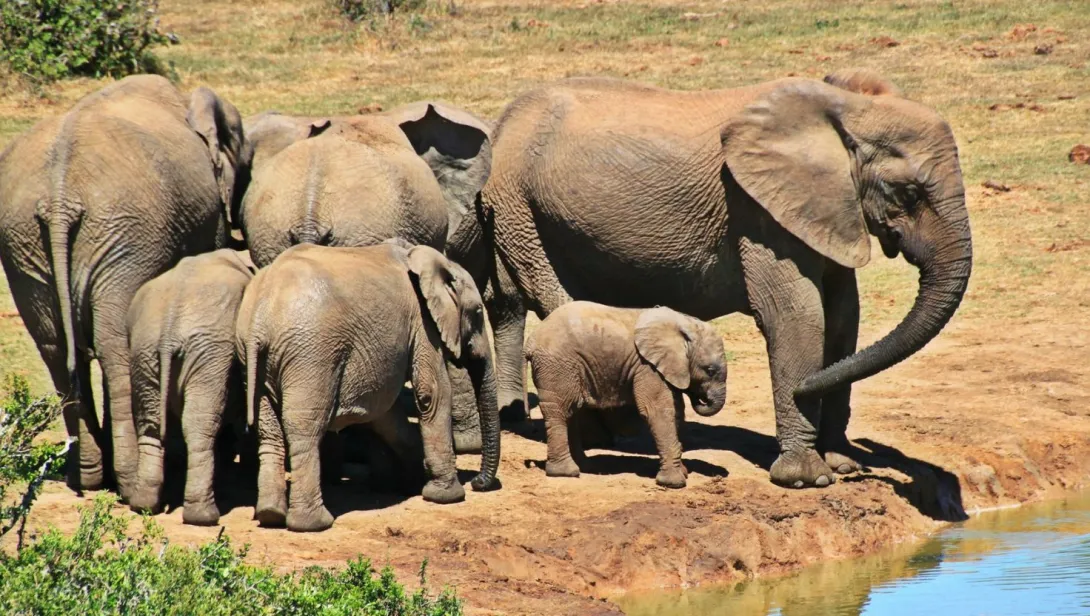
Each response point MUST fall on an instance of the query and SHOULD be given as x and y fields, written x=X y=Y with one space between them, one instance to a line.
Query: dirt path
x=985 y=416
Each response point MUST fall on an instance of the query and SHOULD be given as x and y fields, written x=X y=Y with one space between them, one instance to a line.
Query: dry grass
x=960 y=57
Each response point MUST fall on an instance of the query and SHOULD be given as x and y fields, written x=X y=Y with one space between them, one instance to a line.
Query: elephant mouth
x=891 y=243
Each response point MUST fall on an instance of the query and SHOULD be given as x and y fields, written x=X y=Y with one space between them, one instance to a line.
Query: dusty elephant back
x=574 y=160
x=332 y=190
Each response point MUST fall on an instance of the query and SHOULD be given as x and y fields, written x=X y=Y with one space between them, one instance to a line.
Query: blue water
x=1029 y=560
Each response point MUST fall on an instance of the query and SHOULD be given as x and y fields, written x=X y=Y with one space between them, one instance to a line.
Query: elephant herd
x=281 y=277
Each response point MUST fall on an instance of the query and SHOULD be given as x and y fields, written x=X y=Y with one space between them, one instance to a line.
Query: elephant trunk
x=484 y=384
x=941 y=248
x=710 y=400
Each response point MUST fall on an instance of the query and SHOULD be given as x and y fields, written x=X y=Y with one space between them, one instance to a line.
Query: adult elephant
x=95 y=203
x=757 y=200
x=413 y=173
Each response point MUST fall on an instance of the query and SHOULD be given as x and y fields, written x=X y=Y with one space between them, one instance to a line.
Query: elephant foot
x=145 y=503
x=673 y=477
x=467 y=441
x=801 y=469
x=271 y=513
x=200 y=514
x=444 y=493
x=310 y=521
x=79 y=477
x=841 y=463
x=567 y=468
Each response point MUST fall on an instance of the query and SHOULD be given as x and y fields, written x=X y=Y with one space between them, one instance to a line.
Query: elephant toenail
x=822 y=481
x=844 y=468
x=798 y=484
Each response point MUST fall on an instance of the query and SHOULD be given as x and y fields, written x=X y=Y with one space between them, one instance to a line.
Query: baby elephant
x=590 y=356
x=181 y=329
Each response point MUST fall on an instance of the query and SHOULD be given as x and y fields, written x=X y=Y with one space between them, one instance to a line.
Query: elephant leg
x=507 y=317
x=659 y=406
x=111 y=345
x=306 y=417
x=785 y=297
x=272 y=487
x=202 y=418
x=841 y=333
x=465 y=420
x=84 y=466
x=559 y=415
x=576 y=437
x=147 y=406
x=431 y=388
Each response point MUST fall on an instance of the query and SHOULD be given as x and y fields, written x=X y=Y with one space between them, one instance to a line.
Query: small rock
x=990 y=53
x=1043 y=49
x=723 y=42
x=996 y=186
x=1079 y=154
x=536 y=23
x=394 y=532
x=884 y=41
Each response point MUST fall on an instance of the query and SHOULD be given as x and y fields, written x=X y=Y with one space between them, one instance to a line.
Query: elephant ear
x=863 y=81
x=436 y=284
x=662 y=340
x=455 y=145
x=219 y=125
x=790 y=151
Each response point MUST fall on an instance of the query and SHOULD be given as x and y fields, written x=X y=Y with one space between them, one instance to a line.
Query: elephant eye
x=909 y=197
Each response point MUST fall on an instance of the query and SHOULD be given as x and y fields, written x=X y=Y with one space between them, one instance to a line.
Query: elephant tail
x=253 y=388
x=166 y=359
x=60 y=233
x=527 y=353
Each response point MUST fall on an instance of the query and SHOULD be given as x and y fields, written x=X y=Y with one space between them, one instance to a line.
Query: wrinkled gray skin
x=760 y=200
x=181 y=329
x=413 y=173
x=330 y=335
x=94 y=204
x=589 y=356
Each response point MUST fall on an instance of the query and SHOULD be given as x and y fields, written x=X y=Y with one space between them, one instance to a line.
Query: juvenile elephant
x=413 y=172
x=94 y=204
x=181 y=329
x=759 y=199
x=330 y=335
x=589 y=356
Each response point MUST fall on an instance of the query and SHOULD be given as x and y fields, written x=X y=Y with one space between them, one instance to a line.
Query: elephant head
x=457 y=310
x=220 y=127
x=831 y=165
x=687 y=353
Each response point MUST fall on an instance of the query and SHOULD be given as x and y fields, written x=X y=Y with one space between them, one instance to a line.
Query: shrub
x=98 y=570
x=358 y=10
x=50 y=39
x=22 y=462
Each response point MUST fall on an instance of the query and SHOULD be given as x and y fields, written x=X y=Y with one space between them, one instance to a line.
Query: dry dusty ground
x=993 y=412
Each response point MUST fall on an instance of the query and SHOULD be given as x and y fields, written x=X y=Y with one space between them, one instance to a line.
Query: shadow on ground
x=933 y=490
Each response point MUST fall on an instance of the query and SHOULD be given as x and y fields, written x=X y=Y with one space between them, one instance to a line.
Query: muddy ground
x=991 y=413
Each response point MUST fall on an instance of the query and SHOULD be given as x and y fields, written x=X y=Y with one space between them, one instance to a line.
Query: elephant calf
x=330 y=335
x=181 y=329
x=590 y=356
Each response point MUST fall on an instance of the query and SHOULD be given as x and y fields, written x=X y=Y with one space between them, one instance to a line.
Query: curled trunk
x=943 y=252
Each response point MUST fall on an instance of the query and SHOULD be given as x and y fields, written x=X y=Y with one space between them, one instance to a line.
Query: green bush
x=51 y=39
x=99 y=570
x=358 y=10
x=23 y=463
